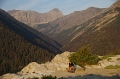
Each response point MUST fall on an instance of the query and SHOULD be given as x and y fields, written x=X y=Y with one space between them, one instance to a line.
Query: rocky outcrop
x=33 y=69
x=33 y=18
x=12 y=11
x=62 y=58
x=59 y=63
x=114 y=60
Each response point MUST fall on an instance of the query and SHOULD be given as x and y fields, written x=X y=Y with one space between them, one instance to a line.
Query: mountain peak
x=93 y=8
x=56 y=10
x=32 y=18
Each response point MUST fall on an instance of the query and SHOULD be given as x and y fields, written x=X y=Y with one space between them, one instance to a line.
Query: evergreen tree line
x=20 y=45
x=16 y=52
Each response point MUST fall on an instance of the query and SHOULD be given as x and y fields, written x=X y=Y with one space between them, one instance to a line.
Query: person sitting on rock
x=71 y=66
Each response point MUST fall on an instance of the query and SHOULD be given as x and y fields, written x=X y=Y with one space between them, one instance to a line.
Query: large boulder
x=33 y=67
x=62 y=58
x=9 y=76
x=18 y=76
x=59 y=62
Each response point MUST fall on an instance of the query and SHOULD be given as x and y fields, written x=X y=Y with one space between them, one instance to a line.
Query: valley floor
x=93 y=73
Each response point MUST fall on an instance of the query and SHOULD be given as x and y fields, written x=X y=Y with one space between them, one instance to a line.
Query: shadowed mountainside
x=21 y=44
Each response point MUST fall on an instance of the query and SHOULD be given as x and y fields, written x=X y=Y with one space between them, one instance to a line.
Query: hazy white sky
x=42 y=6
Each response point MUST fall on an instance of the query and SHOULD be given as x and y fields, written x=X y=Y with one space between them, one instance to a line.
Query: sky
x=42 y=6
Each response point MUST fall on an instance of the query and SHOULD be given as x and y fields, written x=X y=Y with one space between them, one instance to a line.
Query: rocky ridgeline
x=32 y=18
x=59 y=63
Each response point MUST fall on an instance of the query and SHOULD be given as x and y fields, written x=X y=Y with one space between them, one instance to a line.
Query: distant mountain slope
x=32 y=18
x=11 y=12
x=116 y=4
x=61 y=28
x=101 y=33
x=20 y=45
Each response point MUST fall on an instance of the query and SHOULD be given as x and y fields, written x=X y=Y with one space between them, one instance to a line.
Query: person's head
x=70 y=62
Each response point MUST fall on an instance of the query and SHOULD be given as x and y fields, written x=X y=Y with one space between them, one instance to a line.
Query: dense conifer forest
x=20 y=45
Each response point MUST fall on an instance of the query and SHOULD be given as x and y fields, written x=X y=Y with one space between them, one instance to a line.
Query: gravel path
x=95 y=73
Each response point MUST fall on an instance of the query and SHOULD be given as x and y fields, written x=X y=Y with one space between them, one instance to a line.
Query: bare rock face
x=60 y=62
x=115 y=60
x=110 y=61
x=33 y=67
x=32 y=17
x=62 y=58
x=9 y=76
x=12 y=11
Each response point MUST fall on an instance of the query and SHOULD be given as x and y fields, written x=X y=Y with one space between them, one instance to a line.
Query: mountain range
x=33 y=18
x=100 y=33
x=21 y=44
x=77 y=26
x=94 y=27
x=63 y=27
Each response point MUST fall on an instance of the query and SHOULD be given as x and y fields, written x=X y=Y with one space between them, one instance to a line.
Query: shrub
x=62 y=78
x=48 y=77
x=118 y=59
x=112 y=67
x=33 y=78
x=83 y=57
x=109 y=59
x=107 y=56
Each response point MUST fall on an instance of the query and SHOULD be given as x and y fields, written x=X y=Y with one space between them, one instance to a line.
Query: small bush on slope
x=112 y=67
x=48 y=77
x=33 y=78
x=107 y=56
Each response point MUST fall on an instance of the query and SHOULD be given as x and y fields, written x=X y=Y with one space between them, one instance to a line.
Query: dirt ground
x=93 y=73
